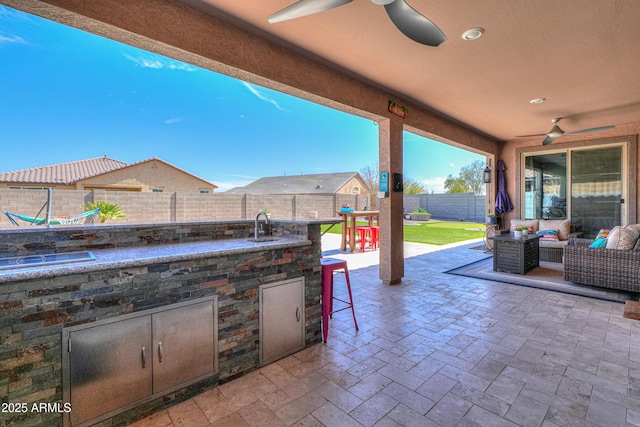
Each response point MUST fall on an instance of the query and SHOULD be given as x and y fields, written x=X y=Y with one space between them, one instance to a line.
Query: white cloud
x=452 y=165
x=173 y=120
x=11 y=40
x=159 y=63
x=436 y=184
x=262 y=97
x=228 y=185
x=8 y=14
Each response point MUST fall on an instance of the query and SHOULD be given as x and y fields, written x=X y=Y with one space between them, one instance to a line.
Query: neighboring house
x=103 y=173
x=323 y=183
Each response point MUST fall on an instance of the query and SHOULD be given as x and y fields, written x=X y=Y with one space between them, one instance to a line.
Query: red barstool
x=375 y=236
x=365 y=233
x=329 y=265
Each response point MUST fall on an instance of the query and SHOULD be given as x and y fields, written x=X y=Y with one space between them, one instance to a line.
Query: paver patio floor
x=442 y=350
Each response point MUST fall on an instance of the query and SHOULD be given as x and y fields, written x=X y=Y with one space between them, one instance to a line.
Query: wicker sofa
x=606 y=268
x=550 y=251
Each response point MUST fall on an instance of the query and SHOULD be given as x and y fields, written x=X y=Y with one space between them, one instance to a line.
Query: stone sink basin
x=27 y=261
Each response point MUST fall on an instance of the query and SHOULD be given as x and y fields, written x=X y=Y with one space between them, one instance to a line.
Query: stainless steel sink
x=46 y=259
x=264 y=239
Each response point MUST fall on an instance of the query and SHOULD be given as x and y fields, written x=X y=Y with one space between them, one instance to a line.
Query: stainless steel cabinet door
x=183 y=345
x=282 y=320
x=110 y=367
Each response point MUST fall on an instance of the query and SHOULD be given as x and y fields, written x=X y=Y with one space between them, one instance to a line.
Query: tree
x=411 y=186
x=107 y=212
x=472 y=175
x=369 y=174
x=455 y=185
x=470 y=179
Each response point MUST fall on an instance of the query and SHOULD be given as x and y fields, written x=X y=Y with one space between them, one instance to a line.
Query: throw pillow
x=623 y=238
x=543 y=232
x=553 y=237
x=600 y=242
x=603 y=233
x=562 y=225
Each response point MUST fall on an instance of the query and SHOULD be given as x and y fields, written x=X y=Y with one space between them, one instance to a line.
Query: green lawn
x=435 y=233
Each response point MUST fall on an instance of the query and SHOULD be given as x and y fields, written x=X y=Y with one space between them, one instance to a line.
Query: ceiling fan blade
x=528 y=136
x=594 y=130
x=304 y=8
x=413 y=25
x=548 y=140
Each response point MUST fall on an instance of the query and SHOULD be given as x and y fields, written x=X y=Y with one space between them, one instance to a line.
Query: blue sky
x=69 y=95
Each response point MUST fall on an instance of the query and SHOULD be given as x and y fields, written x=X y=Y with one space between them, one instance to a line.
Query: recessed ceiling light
x=473 y=33
x=537 y=101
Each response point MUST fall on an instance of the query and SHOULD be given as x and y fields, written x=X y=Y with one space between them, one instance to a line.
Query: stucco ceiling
x=583 y=56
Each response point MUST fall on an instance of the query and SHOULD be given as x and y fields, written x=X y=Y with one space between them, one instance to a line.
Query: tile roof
x=326 y=183
x=71 y=172
x=63 y=173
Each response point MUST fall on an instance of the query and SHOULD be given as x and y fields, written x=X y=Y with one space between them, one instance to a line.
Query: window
x=204 y=191
x=27 y=188
x=583 y=184
x=158 y=190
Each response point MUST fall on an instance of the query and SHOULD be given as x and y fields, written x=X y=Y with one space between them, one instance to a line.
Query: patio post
x=391 y=219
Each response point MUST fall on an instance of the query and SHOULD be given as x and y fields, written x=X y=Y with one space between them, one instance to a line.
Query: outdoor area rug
x=632 y=310
x=548 y=276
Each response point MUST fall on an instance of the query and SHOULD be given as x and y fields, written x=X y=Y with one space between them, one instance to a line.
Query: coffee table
x=512 y=255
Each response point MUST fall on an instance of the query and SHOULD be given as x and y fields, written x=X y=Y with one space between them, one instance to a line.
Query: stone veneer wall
x=34 y=312
x=40 y=240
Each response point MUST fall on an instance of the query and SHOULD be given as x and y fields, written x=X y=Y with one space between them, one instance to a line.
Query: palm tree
x=108 y=211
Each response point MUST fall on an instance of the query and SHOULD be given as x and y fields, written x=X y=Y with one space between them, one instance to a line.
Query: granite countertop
x=147 y=255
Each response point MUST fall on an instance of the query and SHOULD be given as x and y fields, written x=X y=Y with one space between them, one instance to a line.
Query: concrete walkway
x=355 y=260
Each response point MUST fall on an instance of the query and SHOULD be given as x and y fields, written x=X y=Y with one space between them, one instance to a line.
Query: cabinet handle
x=298 y=314
x=160 y=351
x=144 y=357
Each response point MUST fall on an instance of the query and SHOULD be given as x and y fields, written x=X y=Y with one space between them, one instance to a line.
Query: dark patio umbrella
x=503 y=204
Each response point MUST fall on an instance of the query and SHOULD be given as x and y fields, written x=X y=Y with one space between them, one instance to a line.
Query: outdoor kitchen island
x=69 y=332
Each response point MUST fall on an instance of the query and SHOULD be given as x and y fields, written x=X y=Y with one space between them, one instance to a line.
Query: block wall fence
x=169 y=207
x=450 y=207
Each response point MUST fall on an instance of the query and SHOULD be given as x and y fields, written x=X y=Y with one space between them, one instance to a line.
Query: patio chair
x=602 y=267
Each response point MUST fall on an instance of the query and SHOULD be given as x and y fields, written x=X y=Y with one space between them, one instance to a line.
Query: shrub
x=108 y=211
x=420 y=211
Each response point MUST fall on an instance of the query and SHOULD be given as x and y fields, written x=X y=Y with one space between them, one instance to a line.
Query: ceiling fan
x=556 y=132
x=409 y=21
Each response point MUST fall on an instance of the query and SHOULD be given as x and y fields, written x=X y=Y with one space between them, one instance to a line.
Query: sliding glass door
x=546 y=186
x=584 y=185
x=596 y=189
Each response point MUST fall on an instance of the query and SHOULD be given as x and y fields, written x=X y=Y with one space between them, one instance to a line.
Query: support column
x=391 y=218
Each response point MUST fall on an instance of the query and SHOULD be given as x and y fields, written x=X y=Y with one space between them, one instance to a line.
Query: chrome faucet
x=260 y=231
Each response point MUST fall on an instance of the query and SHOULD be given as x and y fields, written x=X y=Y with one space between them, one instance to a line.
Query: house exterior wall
x=146 y=177
x=510 y=154
x=354 y=186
